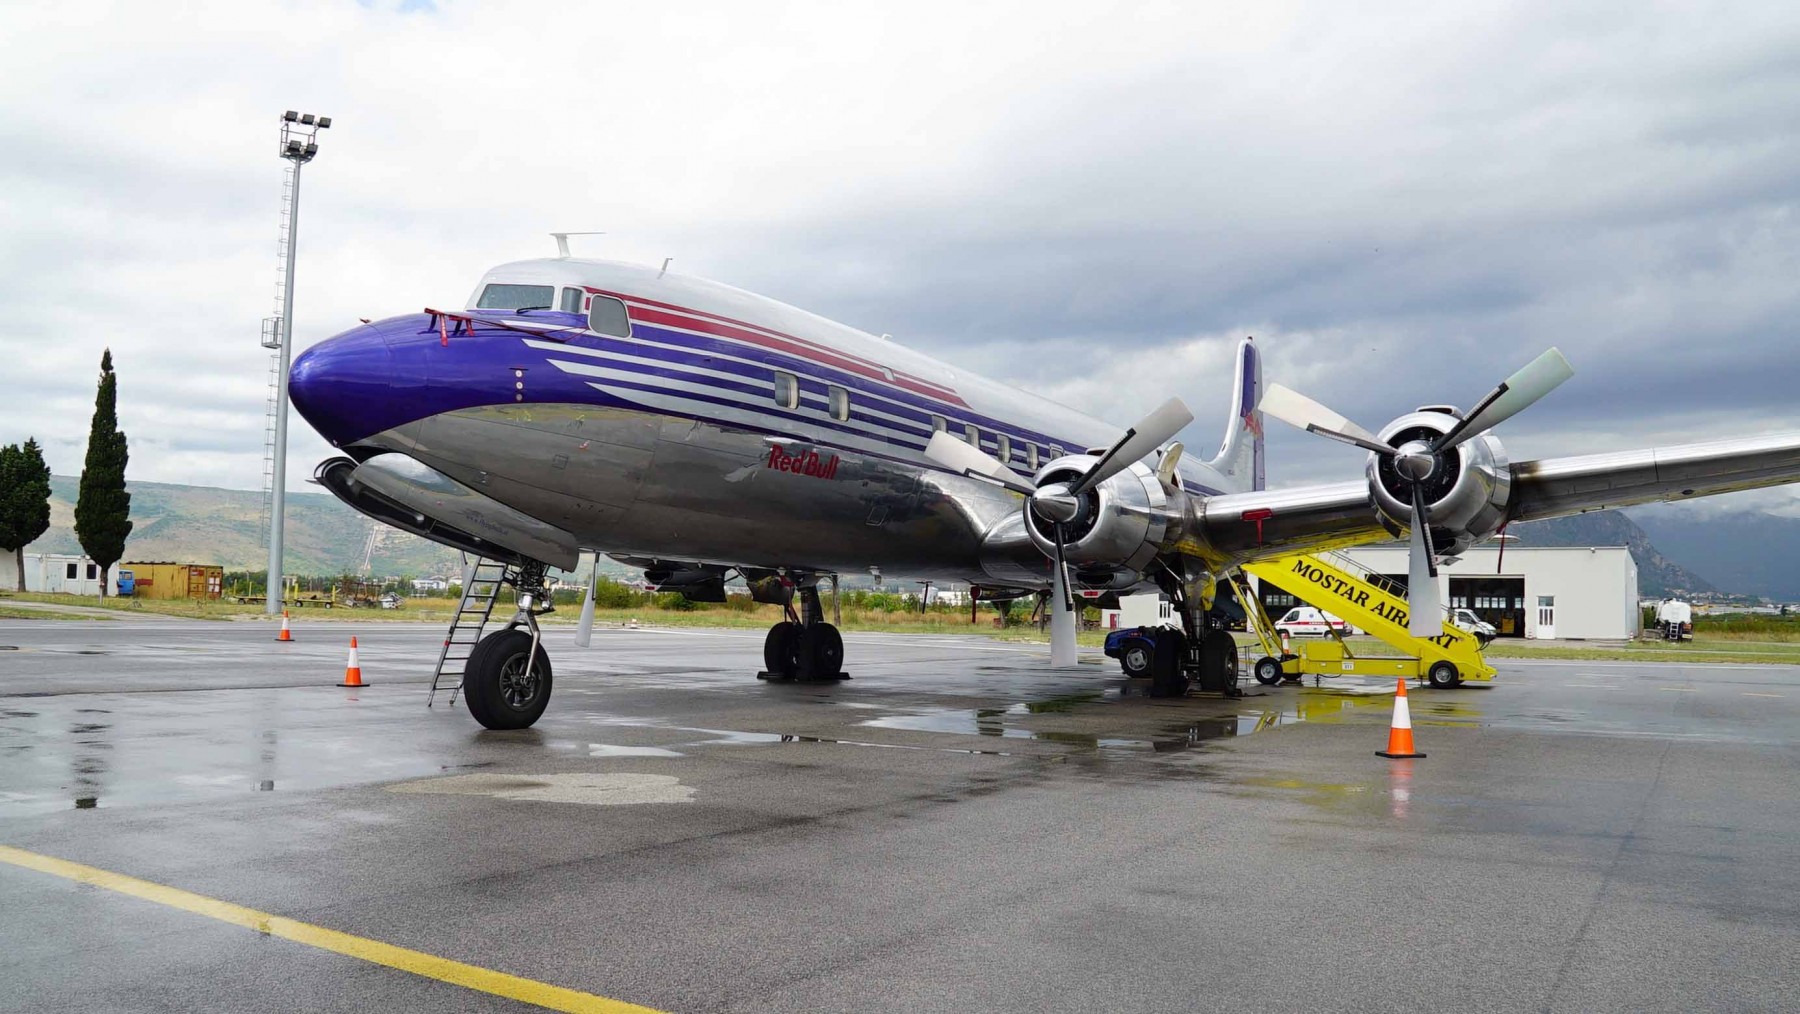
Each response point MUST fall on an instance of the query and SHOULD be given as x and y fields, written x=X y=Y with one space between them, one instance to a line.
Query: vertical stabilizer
x=1240 y=457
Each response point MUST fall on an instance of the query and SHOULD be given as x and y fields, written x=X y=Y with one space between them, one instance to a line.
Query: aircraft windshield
x=500 y=296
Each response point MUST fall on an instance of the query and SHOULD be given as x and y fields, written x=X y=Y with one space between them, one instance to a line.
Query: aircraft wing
x=1281 y=522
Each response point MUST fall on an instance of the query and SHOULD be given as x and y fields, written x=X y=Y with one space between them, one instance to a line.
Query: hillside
x=204 y=524
x=1751 y=554
x=1658 y=575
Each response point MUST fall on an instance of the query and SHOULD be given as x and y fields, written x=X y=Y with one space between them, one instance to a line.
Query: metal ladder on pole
x=482 y=581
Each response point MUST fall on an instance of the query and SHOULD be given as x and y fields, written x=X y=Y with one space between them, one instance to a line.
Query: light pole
x=299 y=143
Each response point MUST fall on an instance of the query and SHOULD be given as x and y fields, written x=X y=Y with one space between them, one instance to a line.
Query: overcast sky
x=1091 y=201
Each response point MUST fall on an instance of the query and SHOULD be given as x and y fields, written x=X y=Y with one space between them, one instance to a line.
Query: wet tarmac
x=955 y=828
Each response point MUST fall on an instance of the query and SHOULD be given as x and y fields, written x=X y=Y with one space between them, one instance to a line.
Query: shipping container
x=177 y=580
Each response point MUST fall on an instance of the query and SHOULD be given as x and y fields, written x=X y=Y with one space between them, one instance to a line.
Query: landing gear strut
x=804 y=648
x=507 y=680
x=1203 y=652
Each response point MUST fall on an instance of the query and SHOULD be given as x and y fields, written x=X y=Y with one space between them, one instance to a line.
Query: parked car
x=1301 y=621
x=1134 y=647
x=1463 y=619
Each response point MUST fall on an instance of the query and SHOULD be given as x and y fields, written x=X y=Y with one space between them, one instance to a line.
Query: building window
x=938 y=425
x=607 y=316
x=93 y=571
x=1031 y=457
x=971 y=434
x=839 y=400
x=1003 y=448
x=72 y=572
x=787 y=388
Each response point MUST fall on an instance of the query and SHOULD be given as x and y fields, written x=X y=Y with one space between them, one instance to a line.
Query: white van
x=1301 y=621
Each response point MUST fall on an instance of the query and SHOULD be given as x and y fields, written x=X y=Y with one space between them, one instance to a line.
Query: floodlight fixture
x=290 y=116
x=307 y=119
x=324 y=121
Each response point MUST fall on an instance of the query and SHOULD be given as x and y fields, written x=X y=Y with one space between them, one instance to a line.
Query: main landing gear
x=1203 y=652
x=804 y=648
x=507 y=679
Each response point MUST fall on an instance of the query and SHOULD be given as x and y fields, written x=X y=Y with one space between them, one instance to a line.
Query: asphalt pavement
x=958 y=827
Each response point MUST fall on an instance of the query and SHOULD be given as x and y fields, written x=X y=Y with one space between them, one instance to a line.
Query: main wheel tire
x=1136 y=658
x=820 y=652
x=778 y=649
x=1443 y=675
x=496 y=687
x=1268 y=671
x=1166 y=677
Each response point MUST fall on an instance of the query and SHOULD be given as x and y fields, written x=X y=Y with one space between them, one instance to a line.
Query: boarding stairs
x=1369 y=601
x=482 y=581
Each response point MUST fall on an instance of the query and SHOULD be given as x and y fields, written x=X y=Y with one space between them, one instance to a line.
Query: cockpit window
x=607 y=316
x=501 y=296
x=571 y=301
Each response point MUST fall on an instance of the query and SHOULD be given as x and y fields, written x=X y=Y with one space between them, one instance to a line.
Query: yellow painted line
x=374 y=951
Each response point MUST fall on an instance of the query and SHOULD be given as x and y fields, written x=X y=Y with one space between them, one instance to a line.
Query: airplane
x=702 y=432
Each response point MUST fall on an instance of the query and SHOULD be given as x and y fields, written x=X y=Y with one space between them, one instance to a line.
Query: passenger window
x=571 y=301
x=1031 y=457
x=607 y=316
x=971 y=434
x=1055 y=452
x=839 y=401
x=1003 y=448
x=787 y=388
x=938 y=425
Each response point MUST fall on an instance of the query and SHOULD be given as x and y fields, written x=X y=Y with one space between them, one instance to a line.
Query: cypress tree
x=103 y=509
x=24 y=500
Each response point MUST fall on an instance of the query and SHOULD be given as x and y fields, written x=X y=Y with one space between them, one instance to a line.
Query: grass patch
x=16 y=613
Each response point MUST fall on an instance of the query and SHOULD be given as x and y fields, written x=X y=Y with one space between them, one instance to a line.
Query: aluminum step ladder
x=482 y=581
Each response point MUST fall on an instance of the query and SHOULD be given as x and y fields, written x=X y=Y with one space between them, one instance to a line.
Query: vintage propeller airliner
x=701 y=432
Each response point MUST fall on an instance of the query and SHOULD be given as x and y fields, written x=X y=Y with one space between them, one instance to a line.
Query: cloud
x=1404 y=204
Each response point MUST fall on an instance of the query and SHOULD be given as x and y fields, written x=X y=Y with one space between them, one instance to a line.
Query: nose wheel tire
x=502 y=693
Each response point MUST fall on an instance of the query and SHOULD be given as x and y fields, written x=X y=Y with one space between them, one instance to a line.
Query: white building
x=57 y=572
x=1581 y=593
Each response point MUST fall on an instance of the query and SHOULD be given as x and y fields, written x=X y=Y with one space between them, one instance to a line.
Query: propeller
x=1060 y=502
x=1417 y=460
x=584 y=633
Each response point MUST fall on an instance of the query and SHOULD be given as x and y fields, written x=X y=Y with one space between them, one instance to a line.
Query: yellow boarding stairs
x=1337 y=586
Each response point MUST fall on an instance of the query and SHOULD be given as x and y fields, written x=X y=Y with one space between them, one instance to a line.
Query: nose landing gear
x=804 y=648
x=507 y=680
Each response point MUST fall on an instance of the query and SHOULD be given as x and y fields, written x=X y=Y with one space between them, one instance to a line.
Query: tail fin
x=1240 y=457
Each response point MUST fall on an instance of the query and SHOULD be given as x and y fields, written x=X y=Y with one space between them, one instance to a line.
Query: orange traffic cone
x=1400 y=742
x=284 y=635
x=353 y=669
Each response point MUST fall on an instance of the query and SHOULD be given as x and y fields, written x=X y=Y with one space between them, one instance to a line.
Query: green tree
x=24 y=499
x=103 y=509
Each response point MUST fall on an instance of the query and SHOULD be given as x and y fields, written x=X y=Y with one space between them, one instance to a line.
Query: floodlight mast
x=299 y=143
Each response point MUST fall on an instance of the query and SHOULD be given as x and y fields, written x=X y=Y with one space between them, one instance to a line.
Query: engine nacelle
x=1121 y=524
x=1466 y=494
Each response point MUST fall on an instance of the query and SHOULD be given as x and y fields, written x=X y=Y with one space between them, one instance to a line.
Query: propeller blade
x=1425 y=616
x=1514 y=395
x=1062 y=569
x=957 y=456
x=584 y=633
x=1301 y=412
x=1151 y=432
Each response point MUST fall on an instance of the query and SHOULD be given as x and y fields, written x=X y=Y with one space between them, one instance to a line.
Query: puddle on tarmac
x=603 y=789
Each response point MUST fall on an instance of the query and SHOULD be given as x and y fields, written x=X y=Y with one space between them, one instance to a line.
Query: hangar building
x=1582 y=593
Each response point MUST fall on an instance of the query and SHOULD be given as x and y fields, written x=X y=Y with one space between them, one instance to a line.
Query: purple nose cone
x=341 y=385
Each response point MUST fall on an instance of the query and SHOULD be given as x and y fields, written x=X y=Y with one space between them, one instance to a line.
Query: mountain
x=204 y=524
x=1747 y=553
x=1658 y=575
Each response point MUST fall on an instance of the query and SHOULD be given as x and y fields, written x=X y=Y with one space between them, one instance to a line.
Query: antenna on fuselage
x=665 y=268
x=562 y=240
